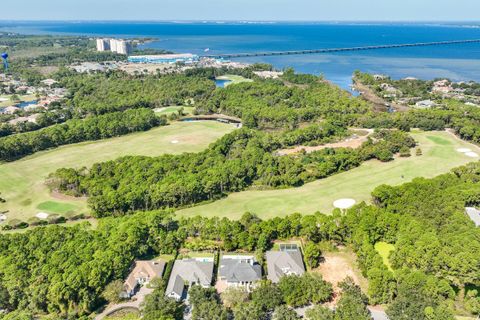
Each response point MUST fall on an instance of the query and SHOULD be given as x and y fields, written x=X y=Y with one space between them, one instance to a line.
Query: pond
x=27 y=103
x=222 y=83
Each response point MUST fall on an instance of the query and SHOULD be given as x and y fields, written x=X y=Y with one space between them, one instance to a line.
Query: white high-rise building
x=122 y=47
x=113 y=45
x=103 y=45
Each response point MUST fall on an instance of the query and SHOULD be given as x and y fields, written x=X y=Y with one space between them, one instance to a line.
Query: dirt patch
x=353 y=142
x=61 y=196
x=379 y=103
x=336 y=267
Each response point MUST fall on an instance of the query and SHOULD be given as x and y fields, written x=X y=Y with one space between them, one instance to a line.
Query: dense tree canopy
x=103 y=93
x=78 y=130
x=273 y=104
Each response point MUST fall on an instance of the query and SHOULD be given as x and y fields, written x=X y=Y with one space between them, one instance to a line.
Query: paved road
x=134 y=302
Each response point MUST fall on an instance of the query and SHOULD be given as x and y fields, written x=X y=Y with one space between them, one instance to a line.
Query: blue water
x=26 y=103
x=457 y=62
x=222 y=83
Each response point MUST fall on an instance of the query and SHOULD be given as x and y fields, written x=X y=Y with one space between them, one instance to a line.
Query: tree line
x=240 y=159
x=435 y=263
x=272 y=104
x=77 y=130
x=117 y=91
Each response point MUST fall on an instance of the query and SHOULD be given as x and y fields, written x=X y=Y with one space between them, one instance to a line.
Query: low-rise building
x=49 y=82
x=238 y=271
x=165 y=58
x=189 y=272
x=425 y=104
x=474 y=215
x=143 y=272
x=287 y=261
x=268 y=74
x=9 y=110
x=379 y=77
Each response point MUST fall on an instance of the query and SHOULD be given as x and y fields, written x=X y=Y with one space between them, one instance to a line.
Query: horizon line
x=239 y=20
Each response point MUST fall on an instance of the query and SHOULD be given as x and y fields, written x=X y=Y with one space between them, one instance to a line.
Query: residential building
x=189 y=272
x=474 y=215
x=287 y=261
x=379 y=77
x=143 y=272
x=49 y=82
x=122 y=47
x=268 y=74
x=9 y=110
x=238 y=271
x=113 y=45
x=425 y=104
x=103 y=45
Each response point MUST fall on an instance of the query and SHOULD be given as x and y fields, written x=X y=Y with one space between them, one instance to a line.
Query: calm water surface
x=458 y=62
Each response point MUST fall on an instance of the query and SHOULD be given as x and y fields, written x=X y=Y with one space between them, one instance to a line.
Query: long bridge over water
x=333 y=50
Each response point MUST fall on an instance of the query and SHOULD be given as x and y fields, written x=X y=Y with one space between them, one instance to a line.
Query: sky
x=261 y=10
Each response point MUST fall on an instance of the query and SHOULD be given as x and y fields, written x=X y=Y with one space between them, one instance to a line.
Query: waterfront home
x=9 y=110
x=189 y=272
x=287 y=261
x=143 y=272
x=379 y=77
x=238 y=271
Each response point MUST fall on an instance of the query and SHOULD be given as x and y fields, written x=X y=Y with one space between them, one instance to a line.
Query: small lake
x=26 y=103
x=222 y=83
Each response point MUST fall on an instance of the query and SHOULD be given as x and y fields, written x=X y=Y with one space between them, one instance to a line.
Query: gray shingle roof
x=178 y=286
x=280 y=263
x=474 y=215
x=236 y=270
x=192 y=271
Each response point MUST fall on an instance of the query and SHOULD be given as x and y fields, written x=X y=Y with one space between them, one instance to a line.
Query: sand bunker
x=42 y=215
x=471 y=154
x=344 y=203
x=464 y=150
x=174 y=141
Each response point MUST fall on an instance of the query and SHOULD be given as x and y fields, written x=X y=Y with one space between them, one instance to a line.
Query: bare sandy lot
x=339 y=265
x=354 y=142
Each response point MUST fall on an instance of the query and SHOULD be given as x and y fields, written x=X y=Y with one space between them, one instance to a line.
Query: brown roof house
x=143 y=272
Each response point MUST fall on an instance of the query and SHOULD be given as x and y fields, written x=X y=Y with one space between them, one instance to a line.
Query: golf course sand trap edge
x=42 y=215
x=344 y=203
x=471 y=154
x=464 y=150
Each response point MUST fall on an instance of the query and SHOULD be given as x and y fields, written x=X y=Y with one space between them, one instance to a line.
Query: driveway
x=134 y=302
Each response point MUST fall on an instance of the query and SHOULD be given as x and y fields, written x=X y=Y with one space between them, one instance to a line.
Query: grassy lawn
x=125 y=314
x=234 y=79
x=199 y=254
x=23 y=98
x=384 y=249
x=169 y=110
x=22 y=181
x=439 y=156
